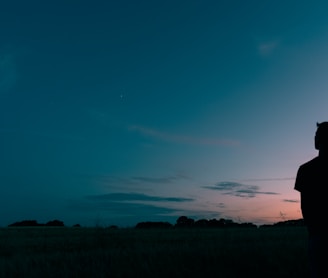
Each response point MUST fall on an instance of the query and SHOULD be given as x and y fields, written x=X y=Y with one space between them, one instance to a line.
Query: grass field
x=100 y=252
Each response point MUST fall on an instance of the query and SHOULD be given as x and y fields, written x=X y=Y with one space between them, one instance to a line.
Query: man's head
x=321 y=136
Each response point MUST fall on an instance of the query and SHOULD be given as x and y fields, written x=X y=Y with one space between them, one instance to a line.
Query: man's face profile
x=321 y=136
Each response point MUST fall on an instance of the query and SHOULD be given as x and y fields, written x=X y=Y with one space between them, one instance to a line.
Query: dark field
x=100 y=252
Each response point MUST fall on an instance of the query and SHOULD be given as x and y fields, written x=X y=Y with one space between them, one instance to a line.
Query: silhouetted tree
x=248 y=225
x=148 y=225
x=34 y=223
x=55 y=223
x=184 y=221
x=214 y=223
x=201 y=223
x=25 y=223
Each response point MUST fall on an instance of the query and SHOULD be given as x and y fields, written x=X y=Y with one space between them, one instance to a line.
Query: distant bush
x=55 y=223
x=34 y=223
x=185 y=222
x=287 y=223
x=147 y=225
x=25 y=223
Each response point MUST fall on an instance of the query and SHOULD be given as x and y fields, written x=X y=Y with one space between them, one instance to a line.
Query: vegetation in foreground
x=172 y=252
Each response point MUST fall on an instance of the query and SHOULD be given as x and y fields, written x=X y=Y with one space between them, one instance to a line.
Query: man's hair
x=321 y=136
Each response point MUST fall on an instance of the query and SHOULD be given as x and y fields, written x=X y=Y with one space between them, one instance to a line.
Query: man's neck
x=323 y=154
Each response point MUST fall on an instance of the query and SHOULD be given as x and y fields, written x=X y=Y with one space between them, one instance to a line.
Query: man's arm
x=299 y=180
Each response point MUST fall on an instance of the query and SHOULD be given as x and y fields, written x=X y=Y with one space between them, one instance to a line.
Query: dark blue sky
x=116 y=112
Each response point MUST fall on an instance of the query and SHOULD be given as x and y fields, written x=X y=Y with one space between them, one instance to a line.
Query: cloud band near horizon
x=182 y=139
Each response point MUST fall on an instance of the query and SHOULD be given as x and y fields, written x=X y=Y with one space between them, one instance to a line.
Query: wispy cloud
x=291 y=201
x=270 y=179
x=130 y=207
x=268 y=47
x=128 y=197
x=183 y=139
x=127 y=183
x=239 y=189
x=161 y=180
x=126 y=208
x=8 y=73
x=122 y=210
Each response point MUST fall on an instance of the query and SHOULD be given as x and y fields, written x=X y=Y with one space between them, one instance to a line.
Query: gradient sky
x=117 y=112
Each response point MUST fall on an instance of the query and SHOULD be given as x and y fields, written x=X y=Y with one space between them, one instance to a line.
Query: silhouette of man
x=312 y=182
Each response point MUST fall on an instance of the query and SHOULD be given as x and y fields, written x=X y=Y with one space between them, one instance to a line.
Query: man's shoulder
x=310 y=163
x=306 y=173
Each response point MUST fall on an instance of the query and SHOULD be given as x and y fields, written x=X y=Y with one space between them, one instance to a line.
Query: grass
x=100 y=252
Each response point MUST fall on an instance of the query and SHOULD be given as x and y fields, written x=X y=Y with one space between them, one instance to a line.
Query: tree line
x=34 y=223
x=181 y=222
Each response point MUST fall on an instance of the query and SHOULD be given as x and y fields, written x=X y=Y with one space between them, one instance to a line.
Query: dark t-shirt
x=312 y=182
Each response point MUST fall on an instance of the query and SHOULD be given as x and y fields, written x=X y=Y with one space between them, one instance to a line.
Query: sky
x=119 y=112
